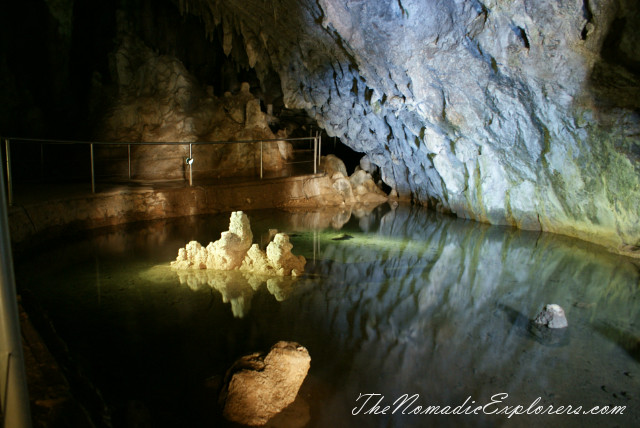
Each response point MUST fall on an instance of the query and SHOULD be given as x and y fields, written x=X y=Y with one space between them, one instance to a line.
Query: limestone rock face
x=332 y=164
x=510 y=112
x=552 y=316
x=234 y=251
x=158 y=100
x=340 y=189
x=260 y=387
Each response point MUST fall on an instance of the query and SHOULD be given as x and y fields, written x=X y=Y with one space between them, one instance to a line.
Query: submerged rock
x=258 y=387
x=343 y=237
x=552 y=316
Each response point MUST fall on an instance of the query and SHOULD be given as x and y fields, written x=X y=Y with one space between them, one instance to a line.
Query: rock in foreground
x=259 y=387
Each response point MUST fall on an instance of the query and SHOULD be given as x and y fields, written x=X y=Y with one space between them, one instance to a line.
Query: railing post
x=41 y=161
x=93 y=173
x=14 y=396
x=315 y=155
x=260 y=160
x=129 y=159
x=9 y=178
x=319 y=148
x=190 y=165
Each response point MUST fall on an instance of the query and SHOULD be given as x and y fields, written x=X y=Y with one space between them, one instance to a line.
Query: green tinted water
x=392 y=303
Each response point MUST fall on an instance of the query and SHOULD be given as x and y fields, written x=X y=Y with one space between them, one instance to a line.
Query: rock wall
x=158 y=100
x=516 y=112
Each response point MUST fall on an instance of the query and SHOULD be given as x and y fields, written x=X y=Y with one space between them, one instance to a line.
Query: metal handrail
x=156 y=143
x=14 y=396
x=317 y=147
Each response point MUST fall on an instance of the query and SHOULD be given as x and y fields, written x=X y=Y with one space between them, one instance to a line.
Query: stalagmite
x=234 y=251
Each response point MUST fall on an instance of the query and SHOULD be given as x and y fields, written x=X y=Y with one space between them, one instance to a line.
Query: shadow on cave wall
x=614 y=80
x=55 y=67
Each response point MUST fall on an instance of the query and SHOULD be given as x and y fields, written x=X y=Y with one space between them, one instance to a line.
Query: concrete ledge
x=52 y=217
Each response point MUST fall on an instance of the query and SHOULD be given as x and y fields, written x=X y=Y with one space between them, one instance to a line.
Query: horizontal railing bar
x=156 y=143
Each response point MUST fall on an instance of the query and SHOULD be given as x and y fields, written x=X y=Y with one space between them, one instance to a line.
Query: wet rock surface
x=552 y=316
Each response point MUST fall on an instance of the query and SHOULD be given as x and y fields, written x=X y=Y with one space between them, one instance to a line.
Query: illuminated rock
x=258 y=387
x=340 y=189
x=234 y=251
x=193 y=255
x=332 y=164
x=228 y=252
x=256 y=261
x=552 y=316
x=280 y=257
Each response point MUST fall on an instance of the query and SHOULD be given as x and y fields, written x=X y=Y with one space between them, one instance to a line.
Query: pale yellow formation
x=280 y=256
x=234 y=251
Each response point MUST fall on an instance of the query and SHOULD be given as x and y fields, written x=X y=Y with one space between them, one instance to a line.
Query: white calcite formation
x=259 y=387
x=552 y=316
x=234 y=251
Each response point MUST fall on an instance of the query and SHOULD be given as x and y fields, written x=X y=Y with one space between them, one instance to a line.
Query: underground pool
x=403 y=307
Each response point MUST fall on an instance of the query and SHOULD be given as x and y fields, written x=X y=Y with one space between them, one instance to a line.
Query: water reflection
x=235 y=287
x=412 y=302
x=238 y=288
x=441 y=307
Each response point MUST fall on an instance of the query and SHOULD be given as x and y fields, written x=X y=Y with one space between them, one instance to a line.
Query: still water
x=392 y=302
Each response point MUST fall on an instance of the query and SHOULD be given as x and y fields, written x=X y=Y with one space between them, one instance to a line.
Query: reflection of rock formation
x=236 y=268
x=368 y=215
x=236 y=287
x=234 y=251
x=418 y=301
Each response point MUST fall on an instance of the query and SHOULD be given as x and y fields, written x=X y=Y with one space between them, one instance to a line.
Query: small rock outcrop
x=552 y=316
x=258 y=387
x=338 y=188
x=234 y=250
